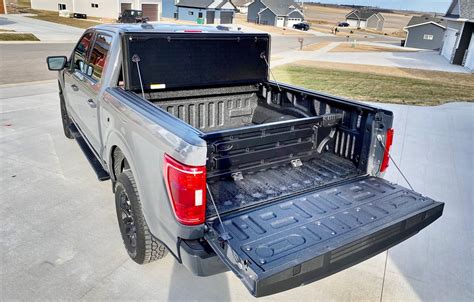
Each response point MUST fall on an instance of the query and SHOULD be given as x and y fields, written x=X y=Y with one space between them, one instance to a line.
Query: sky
x=439 y=6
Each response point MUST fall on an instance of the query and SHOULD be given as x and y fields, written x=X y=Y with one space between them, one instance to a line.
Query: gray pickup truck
x=225 y=169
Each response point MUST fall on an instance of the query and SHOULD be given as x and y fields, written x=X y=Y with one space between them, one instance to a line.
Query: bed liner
x=271 y=184
x=301 y=239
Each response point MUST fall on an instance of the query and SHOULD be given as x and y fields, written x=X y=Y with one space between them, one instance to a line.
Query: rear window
x=180 y=60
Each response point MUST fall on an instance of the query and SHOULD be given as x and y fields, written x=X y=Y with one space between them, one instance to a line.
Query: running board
x=102 y=175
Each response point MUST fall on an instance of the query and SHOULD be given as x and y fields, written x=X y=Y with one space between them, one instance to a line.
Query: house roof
x=203 y=3
x=240 y=3
x=195 y=3
x=281 y=7
x=420 y=20
x=461 y=9
x=363 y=14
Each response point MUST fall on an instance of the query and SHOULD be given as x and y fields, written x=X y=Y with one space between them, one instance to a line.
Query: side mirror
x=56 y=62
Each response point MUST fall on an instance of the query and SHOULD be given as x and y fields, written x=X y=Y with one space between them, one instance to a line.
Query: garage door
x=280 y=22
x=226 y=17
x=125 y=6
x=150 y=11
x=449 y=43
x=352 y=23
x=293 y=21
x=470 y=55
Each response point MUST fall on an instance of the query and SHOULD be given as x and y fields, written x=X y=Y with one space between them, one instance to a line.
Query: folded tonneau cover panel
x=299 y=240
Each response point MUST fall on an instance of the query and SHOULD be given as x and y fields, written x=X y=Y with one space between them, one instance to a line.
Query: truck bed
x=279 y=182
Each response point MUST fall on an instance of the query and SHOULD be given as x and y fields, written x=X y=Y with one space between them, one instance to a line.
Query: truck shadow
x=184 y=286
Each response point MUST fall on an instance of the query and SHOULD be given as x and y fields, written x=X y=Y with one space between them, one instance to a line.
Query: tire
x=65 y=117
x=140 y=244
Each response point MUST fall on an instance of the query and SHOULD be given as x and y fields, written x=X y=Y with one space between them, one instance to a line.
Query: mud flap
x=298 y=240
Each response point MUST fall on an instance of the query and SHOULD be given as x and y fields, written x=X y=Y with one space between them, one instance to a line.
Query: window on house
x=190 y=13
x=94 y=5
x=428 y=37
x=200 y=15
x=61 y=6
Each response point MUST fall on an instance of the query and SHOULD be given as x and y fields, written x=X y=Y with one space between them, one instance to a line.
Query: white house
x=458 y=45
x=107 y=9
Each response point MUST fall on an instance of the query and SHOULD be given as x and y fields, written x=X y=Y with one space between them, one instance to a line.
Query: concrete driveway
x=45 y=31
x=59 y=237
x=429 y=60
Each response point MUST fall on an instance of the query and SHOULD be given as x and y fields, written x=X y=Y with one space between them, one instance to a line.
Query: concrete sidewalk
x=59 y=237
x=45 y=31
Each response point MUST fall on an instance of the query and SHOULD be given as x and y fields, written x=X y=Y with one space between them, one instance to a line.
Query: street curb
x=26 y=83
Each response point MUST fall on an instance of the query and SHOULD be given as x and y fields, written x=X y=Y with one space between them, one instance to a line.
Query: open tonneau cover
x=298 y=240
x=183 y=60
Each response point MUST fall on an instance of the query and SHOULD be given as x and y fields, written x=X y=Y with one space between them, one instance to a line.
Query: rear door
x=301 y=239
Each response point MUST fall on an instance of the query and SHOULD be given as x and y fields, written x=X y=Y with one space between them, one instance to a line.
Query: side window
x=80 y=53
x=99 y=55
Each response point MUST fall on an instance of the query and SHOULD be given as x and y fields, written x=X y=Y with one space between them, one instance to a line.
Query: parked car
x=302 y=26
x=343 y=24
x=132 y=16
x=225 y=169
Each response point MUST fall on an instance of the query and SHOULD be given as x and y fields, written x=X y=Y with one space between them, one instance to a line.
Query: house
x=102 y=9
x=169 y=9
x=278 y=13
x=365 y=18
x=242 y=5
x=458 y=45
x=425 y=32
x=206 y=11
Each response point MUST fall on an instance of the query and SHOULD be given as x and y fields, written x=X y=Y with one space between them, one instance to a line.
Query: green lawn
x=55 y=18
x=17 y=37
x=379 y=87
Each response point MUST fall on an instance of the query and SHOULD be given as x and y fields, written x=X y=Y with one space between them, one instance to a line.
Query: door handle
x=91 y=103
x=74 y=87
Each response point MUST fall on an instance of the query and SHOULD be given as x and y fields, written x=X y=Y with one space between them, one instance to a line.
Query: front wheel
x=140 y=244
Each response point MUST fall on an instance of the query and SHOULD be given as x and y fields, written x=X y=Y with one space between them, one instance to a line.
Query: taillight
x=388 y=144
x=186 y=187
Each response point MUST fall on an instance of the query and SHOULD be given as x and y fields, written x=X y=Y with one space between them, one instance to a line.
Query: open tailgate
x=298 y=240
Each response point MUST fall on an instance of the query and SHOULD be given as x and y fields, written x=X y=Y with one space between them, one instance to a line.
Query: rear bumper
x=200 y=260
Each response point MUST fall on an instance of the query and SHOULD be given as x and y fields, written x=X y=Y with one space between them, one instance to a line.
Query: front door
x=74 y=77
x=83 y=83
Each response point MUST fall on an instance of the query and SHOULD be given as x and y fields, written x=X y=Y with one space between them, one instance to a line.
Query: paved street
x=59 y=237
x=26 y=62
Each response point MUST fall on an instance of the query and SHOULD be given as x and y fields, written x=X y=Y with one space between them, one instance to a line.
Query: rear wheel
x=65 y=117
x=140 y=244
